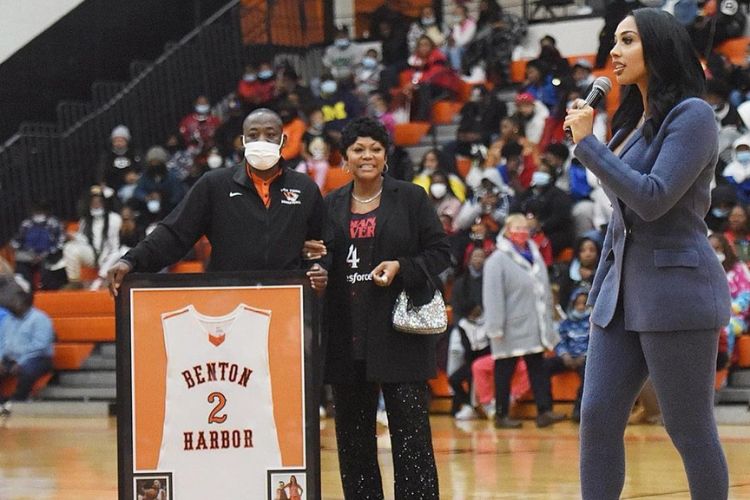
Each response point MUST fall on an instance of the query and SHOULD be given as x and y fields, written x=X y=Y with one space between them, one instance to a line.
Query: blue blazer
x=656 y=257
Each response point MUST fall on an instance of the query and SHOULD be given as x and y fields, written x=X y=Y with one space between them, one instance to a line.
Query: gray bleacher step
x=417 y=152
x=56 y=392
x=446 y=133
x=99 y=362
x=88 y=379
x=733 y=395
x=108 y=349
x=60 y=409
x=740 y=379
x=734 y=414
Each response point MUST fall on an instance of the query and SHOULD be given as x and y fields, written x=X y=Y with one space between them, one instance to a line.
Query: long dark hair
x=674 y=72
x=730 y=256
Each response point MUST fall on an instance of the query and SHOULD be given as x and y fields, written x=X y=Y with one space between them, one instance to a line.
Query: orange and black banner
x=217 y=387
x=289 y=23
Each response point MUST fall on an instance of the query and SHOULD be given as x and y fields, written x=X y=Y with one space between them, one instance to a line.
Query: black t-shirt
x=359 y=260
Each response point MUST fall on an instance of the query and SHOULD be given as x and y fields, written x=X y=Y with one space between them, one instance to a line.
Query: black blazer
x=407 y=227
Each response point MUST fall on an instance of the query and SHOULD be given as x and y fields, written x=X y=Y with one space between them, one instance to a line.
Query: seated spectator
x=377 y=107
x=214 y=159
x=461 y=33
x=257 y=87
x=38 y=248
x=26 y=342
x=738 y=276
x=288 y=85
x=339 y=106
x=315 y=162
x=533 y=115
x=511 y=130
x=723 y=198
x=728 y=121
x=315 y=128
x=517 y=167
x=578 y=273
x=431 y=79
x=97 y=238
x=392 y=35
x=230 y=129
x=200 y=125
x=159 y=190
x=570 y=352
x=550 y=205
x=442 y=196
x=340 y=58
x=425 y=26
x=737 y=173
x=119 y=159
x=478 y=237
x=198 y=167
x=473 y=342
x=489 y=204
x=132 y=231
x=367 y=74
x=740 y=80
x=582 y=75
x=557 y=66
x=293 y=127
x=516 y=299
x=483 y=112
x=553 y=127
x=126 y=192
x=181 y=155
x=435 y=161
x=538 y=83
x=738 y=232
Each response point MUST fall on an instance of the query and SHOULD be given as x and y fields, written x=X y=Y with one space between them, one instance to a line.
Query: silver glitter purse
x=427 y=319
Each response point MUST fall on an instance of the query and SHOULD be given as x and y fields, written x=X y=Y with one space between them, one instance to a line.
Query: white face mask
x=202 y=109
x=540 y=179
x=97 y=212
x=328 y=87
x=39 y=219
x=438 y=189
x=262 y=155
x=214 y=161
x=153 y=206
x=721 y=257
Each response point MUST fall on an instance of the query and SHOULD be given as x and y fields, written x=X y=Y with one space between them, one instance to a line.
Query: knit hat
x=157 y=154
x=120 y=131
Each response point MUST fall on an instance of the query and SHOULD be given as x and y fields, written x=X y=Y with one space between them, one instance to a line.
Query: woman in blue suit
x=659 y=295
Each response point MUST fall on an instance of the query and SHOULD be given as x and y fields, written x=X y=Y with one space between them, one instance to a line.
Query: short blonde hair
x=514 y=219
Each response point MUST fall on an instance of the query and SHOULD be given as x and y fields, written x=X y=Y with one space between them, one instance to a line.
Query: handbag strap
x=421 y=264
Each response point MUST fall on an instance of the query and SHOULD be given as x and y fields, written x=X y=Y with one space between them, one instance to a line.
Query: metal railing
x=56 y=162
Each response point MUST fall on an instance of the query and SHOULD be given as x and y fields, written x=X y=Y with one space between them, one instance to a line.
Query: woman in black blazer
x=378 y=228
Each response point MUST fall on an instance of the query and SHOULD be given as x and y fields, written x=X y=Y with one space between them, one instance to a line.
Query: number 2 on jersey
x=352 y=258
x=214 y=417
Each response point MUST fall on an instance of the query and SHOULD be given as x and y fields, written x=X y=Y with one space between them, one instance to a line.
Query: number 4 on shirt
x=352 y=258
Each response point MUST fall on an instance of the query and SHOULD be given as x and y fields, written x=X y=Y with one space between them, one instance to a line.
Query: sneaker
x=548 y=418
x=489 y=410
x=465 y=413
x=5 y=409
x=322 y=412
x=382 y=418
x=507 y=423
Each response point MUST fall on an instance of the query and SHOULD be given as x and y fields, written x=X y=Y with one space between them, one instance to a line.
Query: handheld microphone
x=599 y=89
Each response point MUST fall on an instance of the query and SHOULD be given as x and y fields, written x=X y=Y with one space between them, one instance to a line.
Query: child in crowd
x=316 y=161
x=469 y=337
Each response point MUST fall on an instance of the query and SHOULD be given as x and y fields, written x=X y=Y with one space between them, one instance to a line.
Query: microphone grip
x=593 y=99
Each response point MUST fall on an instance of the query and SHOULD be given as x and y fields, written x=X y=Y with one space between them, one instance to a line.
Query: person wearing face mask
x=119 y=158
x=367 y=74
x=340 y=58
x=38 y=247
x=339 y=106
x=461 y=33
x=256 y=216
x=723 y=198
x=532 y=115
x=97 y=238
x=442 y=196
x=552 y=207
x=200 y=125
x=257 y=86
x=517 y=303
x=316 y=163
x=737 y=173
x=377 y=107
x=427 y=26
x=159 y=190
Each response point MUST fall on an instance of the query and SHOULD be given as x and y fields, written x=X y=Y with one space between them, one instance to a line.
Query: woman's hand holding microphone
x=579 y=120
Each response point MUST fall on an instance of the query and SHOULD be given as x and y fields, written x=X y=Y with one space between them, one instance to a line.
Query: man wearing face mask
x=552 y=208
x=723 y=199
x=341 y=57
x=118 y=160
x=38 y=246
x=339 y=106
x=256 y=216
x=737 y=173
x=200 y=125
x=158 y=190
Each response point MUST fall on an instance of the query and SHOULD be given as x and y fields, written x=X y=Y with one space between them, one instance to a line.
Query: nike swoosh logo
x=234 y=193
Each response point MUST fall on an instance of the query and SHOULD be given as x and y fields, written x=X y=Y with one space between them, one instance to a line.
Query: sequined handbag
x=427 y=319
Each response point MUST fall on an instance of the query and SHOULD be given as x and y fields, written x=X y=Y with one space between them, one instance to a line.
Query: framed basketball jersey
x=216 y=386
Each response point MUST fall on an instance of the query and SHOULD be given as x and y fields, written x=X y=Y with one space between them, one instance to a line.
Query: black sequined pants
x=411 y=440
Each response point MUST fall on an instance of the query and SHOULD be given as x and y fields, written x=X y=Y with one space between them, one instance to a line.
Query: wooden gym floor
x=73 y=458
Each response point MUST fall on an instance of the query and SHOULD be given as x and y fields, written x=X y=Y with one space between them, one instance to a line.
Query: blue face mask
x=342 y=43
x=540 y=179
x=328 y=87
x=266 y=74
x=369 y=62
x=743 y=157
x=719 y=213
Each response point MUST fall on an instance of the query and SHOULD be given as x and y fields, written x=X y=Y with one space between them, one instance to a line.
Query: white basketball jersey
x=219 y=431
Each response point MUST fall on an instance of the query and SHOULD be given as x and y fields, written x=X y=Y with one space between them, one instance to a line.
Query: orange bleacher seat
x=9 y=385
x=449 y=313
x=735 y=49
x=444 y=111
x=409 y=134
x=518 y=71
x=565 y=386
x=721 y=378
x=565 y=255
x=439 y=385
x=743 y=351
x=464 y=92
x=85 y=329
x=335 y=178
x=71 y=356
x=75 y=303
x=187 y=266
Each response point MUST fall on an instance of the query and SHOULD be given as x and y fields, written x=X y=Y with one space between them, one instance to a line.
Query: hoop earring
x=386 y=167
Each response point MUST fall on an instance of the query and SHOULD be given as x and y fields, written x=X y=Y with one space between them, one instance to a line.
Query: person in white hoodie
x=737 y=172
x=533 y=114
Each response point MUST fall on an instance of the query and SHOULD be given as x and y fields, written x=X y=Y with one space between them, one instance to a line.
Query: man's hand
x=318 y=278
x=116 y=274
x=314 y=249
x=385 y=272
